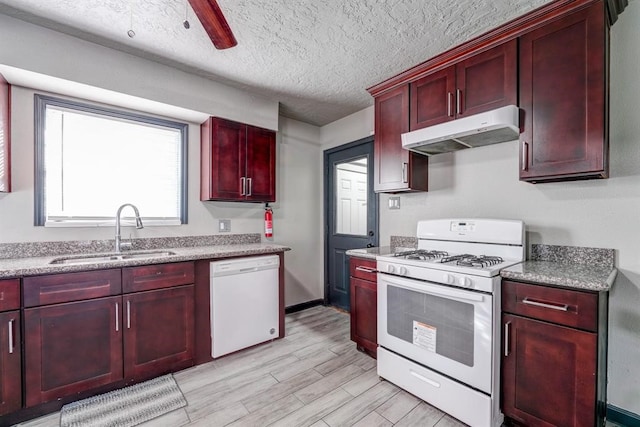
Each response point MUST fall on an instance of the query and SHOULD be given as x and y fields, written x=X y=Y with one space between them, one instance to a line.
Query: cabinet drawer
x=363 y=268
x=9 y=294
x=562 y=306
x=68 y=287
x=135 y=279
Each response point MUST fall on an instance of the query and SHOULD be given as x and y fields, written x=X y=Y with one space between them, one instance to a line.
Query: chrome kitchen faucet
x=138 y=224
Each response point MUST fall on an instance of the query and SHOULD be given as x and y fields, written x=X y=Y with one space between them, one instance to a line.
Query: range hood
x=491 y=127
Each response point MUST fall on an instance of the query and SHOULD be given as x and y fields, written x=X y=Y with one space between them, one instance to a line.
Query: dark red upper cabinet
x=563 y=94
x=483 y=82
x=396 y=169
x=238 y=162
x=5 y=136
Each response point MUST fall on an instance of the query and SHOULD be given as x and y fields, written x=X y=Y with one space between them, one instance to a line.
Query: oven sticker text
x=424 y=336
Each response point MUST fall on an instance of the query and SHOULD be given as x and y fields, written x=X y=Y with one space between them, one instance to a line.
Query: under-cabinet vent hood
x=491 y=127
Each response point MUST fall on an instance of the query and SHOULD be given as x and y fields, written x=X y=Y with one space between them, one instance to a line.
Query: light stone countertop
x=578 y=276
x=31 y=266
x=370 y=253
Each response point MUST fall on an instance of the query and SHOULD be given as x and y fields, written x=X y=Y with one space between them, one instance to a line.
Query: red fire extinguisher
x=268 y=221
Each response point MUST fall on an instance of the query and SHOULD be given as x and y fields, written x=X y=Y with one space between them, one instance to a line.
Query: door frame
x=325 y=201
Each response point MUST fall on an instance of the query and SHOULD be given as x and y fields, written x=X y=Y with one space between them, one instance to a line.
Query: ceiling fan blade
x=214 y=23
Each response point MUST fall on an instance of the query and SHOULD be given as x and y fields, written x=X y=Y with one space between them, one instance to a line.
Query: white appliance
x=244 y=303
x=439 y=315
x=491 y=127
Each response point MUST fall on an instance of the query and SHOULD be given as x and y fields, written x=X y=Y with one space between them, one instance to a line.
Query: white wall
x=296 y=213
x=483 y=182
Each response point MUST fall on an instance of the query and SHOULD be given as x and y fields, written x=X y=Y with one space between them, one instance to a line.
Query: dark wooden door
x=223 y=159
x=261 y=164
x=10 y=362
x=562 y=92
x=72 y=347
x=351 y=214
x=5 y=135
x=158 y=331
x=396 y=169
x=487 y=80
x=433 y=99
x=548 y=373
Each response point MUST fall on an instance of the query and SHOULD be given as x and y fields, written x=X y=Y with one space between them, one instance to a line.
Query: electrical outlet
x=394 y=202
x=224 y=225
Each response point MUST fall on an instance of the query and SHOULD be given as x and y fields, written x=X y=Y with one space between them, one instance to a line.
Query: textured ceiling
x=316 y=57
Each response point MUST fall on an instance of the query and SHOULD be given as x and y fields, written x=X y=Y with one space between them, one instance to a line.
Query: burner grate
x=421 y=254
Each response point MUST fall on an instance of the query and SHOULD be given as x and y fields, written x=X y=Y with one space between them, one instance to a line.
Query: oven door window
x=441 y=325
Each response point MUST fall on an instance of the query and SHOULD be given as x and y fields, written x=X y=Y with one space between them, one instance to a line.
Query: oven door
x=446 y=329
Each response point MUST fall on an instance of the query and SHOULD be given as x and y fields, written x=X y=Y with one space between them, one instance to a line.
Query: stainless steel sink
x=99 y=258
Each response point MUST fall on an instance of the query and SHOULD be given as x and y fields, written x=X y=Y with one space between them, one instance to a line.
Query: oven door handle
x=442 y=291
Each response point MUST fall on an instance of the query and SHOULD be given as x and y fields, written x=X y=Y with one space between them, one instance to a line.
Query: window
x=90 y=160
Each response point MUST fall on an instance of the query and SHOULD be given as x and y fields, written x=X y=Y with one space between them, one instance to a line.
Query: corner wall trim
x=303 y=306
x=622 y=416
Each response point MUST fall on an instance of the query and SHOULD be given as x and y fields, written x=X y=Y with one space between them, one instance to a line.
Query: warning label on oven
x=424 y=336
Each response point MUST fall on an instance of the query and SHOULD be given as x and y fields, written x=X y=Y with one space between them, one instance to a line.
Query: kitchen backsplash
x=403 y=242
x=36 y=249
x=595 y=257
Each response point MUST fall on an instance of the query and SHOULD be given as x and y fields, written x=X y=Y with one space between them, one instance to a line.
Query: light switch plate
x=224 y=225
x=394 y=202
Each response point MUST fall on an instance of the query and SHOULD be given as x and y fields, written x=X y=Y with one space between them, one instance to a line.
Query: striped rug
x=125 y=407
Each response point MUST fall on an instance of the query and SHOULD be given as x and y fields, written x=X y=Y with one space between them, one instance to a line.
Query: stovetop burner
x=467 y=260
x=421 y=254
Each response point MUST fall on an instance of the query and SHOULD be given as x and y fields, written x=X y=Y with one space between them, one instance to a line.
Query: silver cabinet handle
x=563 y=307
x=449 y=104
x=128 y=314
x=365 y=269
x=243 y=185
x=249 y=181
x=506 y=339
x=525 y=155
x=458 y=101
x=117 y=317
x=11 y=323
x=404 y=172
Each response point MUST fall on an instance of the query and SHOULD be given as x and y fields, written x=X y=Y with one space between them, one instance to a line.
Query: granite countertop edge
x=565 y=275
x=32 y=266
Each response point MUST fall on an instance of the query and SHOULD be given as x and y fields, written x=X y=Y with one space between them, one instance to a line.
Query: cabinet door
x=159 y=332
x=72 y=347
x=548 y=373
x=433 y=99
x=364 y=323
x=396 y=169
x=10 y=364
x=5 y=135
x=563 y=92
x=223 y=160
x=261 y=165
x=487 y=80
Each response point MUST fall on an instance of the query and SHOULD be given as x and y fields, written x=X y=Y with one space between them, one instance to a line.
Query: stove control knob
x=465 y=282
x=448 y=278
x=391 y=268
x=403 y=271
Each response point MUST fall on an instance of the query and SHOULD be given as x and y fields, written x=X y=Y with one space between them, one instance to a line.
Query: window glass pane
x=351 y=197
x=93 y=163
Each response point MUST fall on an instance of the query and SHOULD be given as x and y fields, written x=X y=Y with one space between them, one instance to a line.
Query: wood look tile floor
x=312 y=377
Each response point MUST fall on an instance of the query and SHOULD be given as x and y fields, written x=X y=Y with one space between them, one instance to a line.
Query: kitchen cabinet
x=238 y=162
x=158 y=322
x=72 y=332
x=564 y=97
x=396 y=169
x=554 y=360
x=81 y=332
x=5 y=135
x=364 y=304
x=483 y=82
x=10 y=348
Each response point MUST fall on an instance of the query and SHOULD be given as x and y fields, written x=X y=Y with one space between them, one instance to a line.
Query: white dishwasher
x=244 y=303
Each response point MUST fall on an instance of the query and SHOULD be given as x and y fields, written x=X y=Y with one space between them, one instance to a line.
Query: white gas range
x=439 y=311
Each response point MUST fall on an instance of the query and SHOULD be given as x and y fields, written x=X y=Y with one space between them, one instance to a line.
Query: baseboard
x=303 y=306
x=622 y=417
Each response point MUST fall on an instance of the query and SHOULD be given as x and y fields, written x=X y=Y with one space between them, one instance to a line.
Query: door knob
x=369 y=245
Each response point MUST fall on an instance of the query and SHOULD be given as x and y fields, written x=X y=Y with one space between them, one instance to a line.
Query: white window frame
x=41 y=102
